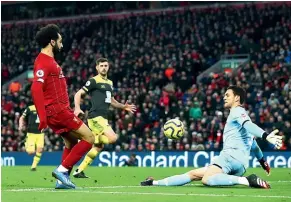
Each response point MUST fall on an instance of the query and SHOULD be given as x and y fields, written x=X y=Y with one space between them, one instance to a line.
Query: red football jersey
x=47 y=71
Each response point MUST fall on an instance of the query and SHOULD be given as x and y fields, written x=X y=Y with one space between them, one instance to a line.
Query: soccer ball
x=174 y=129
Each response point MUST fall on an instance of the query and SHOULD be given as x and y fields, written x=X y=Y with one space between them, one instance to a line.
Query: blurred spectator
x=14 y=87
x=141 y=48
x=132 y=161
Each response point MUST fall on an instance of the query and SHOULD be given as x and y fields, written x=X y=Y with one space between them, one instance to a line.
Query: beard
x=56 y=50
x=103 y=74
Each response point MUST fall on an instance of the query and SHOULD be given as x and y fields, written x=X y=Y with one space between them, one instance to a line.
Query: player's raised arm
x=128 y=107
x=244 y=120
x=273 y=138
x=40 y=75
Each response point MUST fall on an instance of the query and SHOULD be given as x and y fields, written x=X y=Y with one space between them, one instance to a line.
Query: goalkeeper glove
x=265 y=166
x=273 y=138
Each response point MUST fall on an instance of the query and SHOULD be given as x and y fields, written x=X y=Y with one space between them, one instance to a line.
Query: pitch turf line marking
x=114 y=187
x=155 y=193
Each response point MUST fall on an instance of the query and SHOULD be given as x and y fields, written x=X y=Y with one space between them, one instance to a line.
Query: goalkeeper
x=229 y=167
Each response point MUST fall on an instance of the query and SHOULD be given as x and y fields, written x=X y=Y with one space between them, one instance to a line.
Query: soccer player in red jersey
x=50 y=96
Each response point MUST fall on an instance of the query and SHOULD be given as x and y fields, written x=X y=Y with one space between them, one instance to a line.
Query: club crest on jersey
x=39 y=73
x=102 y=86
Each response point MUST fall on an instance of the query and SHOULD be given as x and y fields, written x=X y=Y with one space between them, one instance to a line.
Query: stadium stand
x=155 y=60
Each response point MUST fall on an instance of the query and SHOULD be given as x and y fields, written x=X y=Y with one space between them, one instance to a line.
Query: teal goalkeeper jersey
x=237 y=141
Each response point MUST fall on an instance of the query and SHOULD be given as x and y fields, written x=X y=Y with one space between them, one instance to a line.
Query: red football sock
x=66 y=152
x=76 y=154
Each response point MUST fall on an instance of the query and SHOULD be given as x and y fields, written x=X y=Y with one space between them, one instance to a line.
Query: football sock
x=226 y=180
x=76 y=154
x=62 y=169
x=89 y=158
x=64 y=156
x=175 y=180
x=36 y=159
x=66 y=152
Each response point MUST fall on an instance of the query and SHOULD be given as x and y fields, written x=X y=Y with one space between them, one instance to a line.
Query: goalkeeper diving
x=238 y=140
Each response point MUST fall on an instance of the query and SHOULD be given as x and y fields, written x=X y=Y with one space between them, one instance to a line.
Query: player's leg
x=177 y=180
x=80 y=131
x=97 y=126
x=86 y=137
x=70 y=142
x=219 y=174
x=89 y=158
x=106 y=135
x=30 y=144
x=39 y=150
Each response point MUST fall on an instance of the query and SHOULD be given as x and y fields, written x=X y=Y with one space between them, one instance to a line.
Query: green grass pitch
x=19 y=184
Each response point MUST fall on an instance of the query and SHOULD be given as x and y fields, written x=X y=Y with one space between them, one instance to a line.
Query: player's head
x=50 y=37
x=102 y=66
x=234 y=96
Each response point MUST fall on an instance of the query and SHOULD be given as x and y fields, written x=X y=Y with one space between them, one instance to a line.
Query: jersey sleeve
x=40 y=73
x=89 y=85
x=25 y=114
x=240 y=115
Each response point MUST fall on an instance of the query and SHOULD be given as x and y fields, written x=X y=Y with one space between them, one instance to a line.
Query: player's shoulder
x=110 y=82
x=99 y=79
x=238 y=110
x=32 y=108
x=43 y=61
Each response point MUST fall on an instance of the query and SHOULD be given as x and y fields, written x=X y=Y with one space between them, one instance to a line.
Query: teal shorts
x=229 y=165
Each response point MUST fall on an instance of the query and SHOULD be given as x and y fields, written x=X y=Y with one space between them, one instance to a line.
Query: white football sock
x=243 y=181
x=62 y=169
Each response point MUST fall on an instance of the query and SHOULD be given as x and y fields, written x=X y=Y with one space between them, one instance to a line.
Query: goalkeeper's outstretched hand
x=275 y=139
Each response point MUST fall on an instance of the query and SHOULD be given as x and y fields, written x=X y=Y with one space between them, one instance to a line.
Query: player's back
x=47 y=71
x=32 y=119
x=100 y=90
x=236 y=140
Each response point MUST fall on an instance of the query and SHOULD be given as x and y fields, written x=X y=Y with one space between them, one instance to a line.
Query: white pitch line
x=161 y=194
x=113 y=187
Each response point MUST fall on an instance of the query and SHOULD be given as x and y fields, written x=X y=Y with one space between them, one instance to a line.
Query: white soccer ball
x=174 y=129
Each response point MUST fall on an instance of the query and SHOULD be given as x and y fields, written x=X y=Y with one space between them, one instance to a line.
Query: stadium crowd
x=154 y=64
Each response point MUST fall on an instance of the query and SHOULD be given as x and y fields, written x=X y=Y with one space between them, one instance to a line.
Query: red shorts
x=64 y=121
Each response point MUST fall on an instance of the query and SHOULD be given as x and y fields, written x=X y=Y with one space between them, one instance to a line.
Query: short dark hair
x=100 y=60
x=46 y=34
x=239 y=91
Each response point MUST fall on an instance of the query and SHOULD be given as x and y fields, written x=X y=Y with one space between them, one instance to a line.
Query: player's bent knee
x=39 y=149
x=112 y=138
x=205 y=181
x=30 y=152
x=90 y=138
x=194 y=176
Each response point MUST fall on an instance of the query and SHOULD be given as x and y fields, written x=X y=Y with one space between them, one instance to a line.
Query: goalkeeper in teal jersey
x=238 y=140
